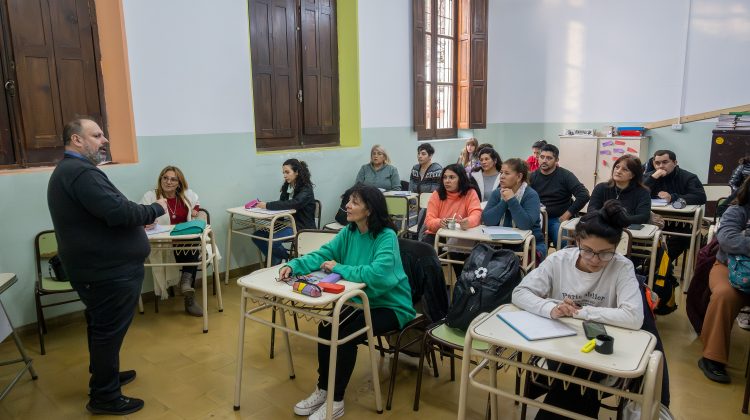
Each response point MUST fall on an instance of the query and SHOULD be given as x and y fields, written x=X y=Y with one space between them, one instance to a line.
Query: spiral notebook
x=534 y=327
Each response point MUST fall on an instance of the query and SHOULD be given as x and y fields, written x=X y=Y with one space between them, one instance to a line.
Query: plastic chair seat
x=50 y=285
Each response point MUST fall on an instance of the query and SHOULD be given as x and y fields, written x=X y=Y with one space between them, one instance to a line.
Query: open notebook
x=534 y=327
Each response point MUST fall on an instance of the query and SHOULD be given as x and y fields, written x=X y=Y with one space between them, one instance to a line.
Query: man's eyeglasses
x=170 y=179
x=603 y=256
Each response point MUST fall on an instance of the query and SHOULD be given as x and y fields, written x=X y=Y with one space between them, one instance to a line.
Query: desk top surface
x=631 y=348
x=406 y=194
x=165 y=236
x=689 y=209
x=260 y=213
x=263 y=282
x=646 y=232
x=7 y=280
x=476 y=234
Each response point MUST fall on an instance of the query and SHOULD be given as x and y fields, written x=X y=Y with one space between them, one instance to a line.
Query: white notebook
x=534 y=327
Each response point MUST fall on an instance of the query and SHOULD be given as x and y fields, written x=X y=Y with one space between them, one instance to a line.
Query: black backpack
x=486 y=282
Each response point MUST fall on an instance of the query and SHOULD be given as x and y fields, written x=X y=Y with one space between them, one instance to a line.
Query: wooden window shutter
x=320 y=79
x=478 y=67
x=275 y=76
x=464 y=64
x=418 y=60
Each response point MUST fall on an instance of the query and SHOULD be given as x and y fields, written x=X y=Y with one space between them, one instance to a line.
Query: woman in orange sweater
x=456 y=199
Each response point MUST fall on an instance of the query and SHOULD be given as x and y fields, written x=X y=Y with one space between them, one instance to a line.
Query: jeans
x=110 y=306
x=278 y=251
x=553 y=224
x=383 y=320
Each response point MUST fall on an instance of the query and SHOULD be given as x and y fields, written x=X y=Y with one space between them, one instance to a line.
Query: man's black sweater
x=556 y=189
x=100 y=233
x=634 y=198
x=679 y=184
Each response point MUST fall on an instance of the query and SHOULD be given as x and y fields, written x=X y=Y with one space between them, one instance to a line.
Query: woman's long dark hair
x=303 y=175
x=607 y=223
x=463 y=181
x=373 y=200
x=493 y=155
x=634 y=166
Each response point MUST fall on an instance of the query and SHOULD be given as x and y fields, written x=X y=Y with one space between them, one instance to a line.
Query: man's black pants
x=110 y=306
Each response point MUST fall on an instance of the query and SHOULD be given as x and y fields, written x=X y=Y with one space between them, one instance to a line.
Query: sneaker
x=118 y=407
x=126 y=377
x=310 y=404
x=714 y=371
x=320 y=414
x=743 y=319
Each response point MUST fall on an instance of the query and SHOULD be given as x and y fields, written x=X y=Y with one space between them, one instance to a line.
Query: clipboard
x=534 y=327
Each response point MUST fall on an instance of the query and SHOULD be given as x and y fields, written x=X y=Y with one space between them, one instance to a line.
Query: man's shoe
x=191 y=307
x=126 y=377
x=714 y=371
x=118 y=407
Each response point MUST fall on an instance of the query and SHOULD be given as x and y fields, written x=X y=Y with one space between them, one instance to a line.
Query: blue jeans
x=278 y=251
x=553 y=224
x=109 y=311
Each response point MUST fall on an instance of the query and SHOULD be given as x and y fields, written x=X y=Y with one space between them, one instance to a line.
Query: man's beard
x=95 y=156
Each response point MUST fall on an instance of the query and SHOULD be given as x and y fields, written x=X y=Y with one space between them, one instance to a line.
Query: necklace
x=172 y=212
x=617 y=193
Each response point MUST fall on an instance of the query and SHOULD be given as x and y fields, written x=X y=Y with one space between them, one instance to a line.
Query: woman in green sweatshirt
x=365 y=251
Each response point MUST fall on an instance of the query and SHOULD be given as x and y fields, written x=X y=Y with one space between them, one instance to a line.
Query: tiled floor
x=185 y=374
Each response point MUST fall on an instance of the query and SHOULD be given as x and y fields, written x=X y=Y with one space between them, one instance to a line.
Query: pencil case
x=252 y=203
x=307 y=289
x=334 y=288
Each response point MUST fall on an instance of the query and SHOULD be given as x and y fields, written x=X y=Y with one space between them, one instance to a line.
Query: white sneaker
x=310 y=404
x=320 y=414
x=743 y=319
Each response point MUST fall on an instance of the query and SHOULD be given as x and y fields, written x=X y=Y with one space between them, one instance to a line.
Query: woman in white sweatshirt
x=589 y=282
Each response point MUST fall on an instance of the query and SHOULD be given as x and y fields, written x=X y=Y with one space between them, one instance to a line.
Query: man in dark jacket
x=102 y=245
x=671 y=183
x=557 y=187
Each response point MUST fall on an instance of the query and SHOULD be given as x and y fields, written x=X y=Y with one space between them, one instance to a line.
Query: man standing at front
x=102 y=246
x=557 y=187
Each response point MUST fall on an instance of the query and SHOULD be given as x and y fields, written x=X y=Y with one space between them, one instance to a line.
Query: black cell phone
x=592 y=329
x=635 y=227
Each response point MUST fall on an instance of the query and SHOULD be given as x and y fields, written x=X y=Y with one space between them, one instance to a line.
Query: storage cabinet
x=591 y=158
x=727 y=147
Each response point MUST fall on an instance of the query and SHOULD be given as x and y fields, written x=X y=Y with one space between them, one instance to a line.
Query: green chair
x=398 y=209
x=45 y=247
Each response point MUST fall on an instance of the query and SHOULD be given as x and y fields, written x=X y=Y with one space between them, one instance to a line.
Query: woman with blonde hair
x=379 y=173
x=182 y=206
x=469 y=157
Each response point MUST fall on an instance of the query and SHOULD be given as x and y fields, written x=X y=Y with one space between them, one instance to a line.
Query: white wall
x=189 y=66
x=612 y=60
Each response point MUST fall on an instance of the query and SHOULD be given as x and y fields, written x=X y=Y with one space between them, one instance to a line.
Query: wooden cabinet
x=591 y=158
x=727 y=147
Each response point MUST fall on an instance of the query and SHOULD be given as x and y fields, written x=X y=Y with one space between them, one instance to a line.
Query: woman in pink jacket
x=456 y=200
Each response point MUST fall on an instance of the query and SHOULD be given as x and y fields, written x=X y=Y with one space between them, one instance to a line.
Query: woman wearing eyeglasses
x=182 y=206
x=588 y=282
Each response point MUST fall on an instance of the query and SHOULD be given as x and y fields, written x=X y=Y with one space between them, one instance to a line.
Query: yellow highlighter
x=589 y=346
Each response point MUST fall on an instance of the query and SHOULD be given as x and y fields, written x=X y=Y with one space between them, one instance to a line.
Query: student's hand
x=463 y=222
x=565 y=216
x=327 y=266
x=261 y=205
x=194 y=213
x=658 y=173
x=285 y=272
x=444 y=223
x=163 y=203
x=506 y=193
x=565 y=308
x=151 y=226
x=666 y=196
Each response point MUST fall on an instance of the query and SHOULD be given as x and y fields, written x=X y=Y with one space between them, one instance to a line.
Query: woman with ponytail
x=590 y=282
x=296 y=194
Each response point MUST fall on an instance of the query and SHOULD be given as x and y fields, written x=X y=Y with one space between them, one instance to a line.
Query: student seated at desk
x=488 y=178
x=589 y=282
x=515 y=203
x=726 y=301
x=455 y=200
x=365 y=251
x=425 y=175
x=182 y=206
x=379 y=173
x=296 y=194
x=626 y=187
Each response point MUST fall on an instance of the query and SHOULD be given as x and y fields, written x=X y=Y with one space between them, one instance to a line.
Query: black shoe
x=119 y=406
x=714 y=371
x=126 y=377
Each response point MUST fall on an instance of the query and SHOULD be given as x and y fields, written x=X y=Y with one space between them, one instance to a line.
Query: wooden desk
x=634 y=356
x=242 y=221
x=691 y=215
x=164 y=242
x=475 y=234
x=7 y=280
x=263 y=290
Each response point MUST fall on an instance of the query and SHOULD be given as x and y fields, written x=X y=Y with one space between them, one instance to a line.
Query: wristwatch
x=680 y=203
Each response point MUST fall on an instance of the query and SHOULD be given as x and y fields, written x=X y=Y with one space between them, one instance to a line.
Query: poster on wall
x=611 y=149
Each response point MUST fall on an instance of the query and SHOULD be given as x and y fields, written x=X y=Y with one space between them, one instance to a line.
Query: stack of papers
x=158 y=229
x=534 y=327
x=658 y=202
x=501 y=232
x=726 y=122
x=400 y=193
x=264 y=211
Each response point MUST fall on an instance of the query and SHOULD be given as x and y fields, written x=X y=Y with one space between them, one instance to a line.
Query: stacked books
x=726 y=122
x=631 y=131
x=743 y=120
x=502 y=233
